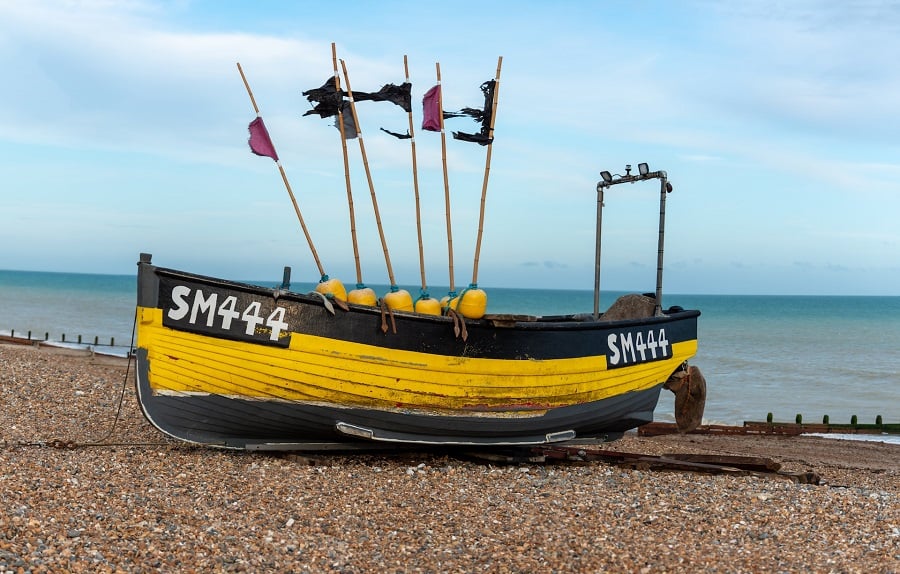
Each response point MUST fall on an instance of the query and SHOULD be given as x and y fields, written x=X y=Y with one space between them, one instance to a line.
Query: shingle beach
x=89 y=487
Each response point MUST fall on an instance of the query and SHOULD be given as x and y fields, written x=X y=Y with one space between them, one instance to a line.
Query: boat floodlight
x=607 y=177
x=643 y=169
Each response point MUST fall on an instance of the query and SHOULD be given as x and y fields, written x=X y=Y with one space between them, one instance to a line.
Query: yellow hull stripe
x=328 y=371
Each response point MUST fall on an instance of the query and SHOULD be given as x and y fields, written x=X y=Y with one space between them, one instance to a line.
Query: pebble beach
x=89 y=486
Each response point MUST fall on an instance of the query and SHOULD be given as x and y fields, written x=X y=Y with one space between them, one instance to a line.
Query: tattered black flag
x=483 y=136
x=327 y=99
x=400 y=95
x=405 y=136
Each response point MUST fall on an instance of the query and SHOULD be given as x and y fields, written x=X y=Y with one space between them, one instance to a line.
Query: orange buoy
x=362 y=295
x=332 y=287
x=399 y=300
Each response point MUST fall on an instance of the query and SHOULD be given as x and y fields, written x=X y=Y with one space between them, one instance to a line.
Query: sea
x=788 y=356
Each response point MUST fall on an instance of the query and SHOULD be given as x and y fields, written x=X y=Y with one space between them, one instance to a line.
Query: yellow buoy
x=362 y=296
x=445 y=302
x=428 y=306
x=399 y=300
x=332 y=287
x=471 y=303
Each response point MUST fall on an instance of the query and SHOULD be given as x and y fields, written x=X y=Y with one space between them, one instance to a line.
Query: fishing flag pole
x=472 y=302
x=261 y=144
x=487 y=171
x=440 y=101
x=424 y=304
x=361 y=294
x=398 y=299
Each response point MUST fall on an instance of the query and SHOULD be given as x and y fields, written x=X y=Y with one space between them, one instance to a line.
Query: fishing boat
x=241 y=366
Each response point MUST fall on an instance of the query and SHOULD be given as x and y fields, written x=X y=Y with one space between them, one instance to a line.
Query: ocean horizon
x=815 y=355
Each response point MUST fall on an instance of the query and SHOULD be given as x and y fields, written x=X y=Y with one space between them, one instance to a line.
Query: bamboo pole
x=340 y=121
x=487 y=171
x=362 y=151
x=284 y=178
x=412 y=144
x=437 y=66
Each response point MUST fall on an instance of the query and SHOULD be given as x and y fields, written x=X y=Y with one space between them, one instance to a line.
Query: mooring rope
x=115 y=422
x=104 y=441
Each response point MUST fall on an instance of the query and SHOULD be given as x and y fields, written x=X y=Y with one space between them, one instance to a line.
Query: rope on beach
x=104 y=441
x=115 y=422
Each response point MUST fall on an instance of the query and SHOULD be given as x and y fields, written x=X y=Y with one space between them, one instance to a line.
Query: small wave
x=112 y=351
x=885 y=438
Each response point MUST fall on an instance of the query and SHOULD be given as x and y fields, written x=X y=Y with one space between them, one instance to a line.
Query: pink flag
x=260 y=142
x=431 y=109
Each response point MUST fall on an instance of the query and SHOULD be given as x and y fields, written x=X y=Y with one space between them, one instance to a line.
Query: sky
x=123 y=129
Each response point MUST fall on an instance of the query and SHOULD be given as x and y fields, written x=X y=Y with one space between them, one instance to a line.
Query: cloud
x=776 y=123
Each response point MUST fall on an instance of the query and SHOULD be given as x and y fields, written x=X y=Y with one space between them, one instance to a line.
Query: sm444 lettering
x=239 y=315
x=637 y=346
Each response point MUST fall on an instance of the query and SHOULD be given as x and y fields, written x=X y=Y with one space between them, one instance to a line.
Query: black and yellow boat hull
x=240 y=366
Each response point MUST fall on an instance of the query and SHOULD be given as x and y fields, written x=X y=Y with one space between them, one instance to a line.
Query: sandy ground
x=114 y=495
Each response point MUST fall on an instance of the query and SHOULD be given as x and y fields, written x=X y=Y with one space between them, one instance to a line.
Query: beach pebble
x=126 y=499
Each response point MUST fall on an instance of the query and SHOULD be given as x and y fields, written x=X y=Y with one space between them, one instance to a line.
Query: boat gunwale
x=574 y=321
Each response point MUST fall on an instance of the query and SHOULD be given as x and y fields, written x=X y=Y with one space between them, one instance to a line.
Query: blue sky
x=123 y=129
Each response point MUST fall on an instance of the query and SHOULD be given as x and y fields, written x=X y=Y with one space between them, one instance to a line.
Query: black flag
x=400 y=95
x=327 y=99
x=483 y=136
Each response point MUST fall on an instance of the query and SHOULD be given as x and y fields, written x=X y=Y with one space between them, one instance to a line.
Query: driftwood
x=708 y=464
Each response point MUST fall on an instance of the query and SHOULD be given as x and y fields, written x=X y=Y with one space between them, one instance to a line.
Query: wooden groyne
x=97 y=345
x=778 y=428
x=30 y=340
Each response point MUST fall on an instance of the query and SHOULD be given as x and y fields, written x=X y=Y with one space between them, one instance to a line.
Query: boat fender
x=689 y=387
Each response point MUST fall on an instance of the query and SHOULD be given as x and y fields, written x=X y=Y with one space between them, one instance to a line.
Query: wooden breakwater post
x=30 y=338
x=770 y=427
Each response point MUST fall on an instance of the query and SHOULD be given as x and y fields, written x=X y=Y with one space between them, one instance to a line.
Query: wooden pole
x=284 y=178
x=340 y=121
x=437 y=66
x=362 y=151
x=487 y=171
x=412 y=144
